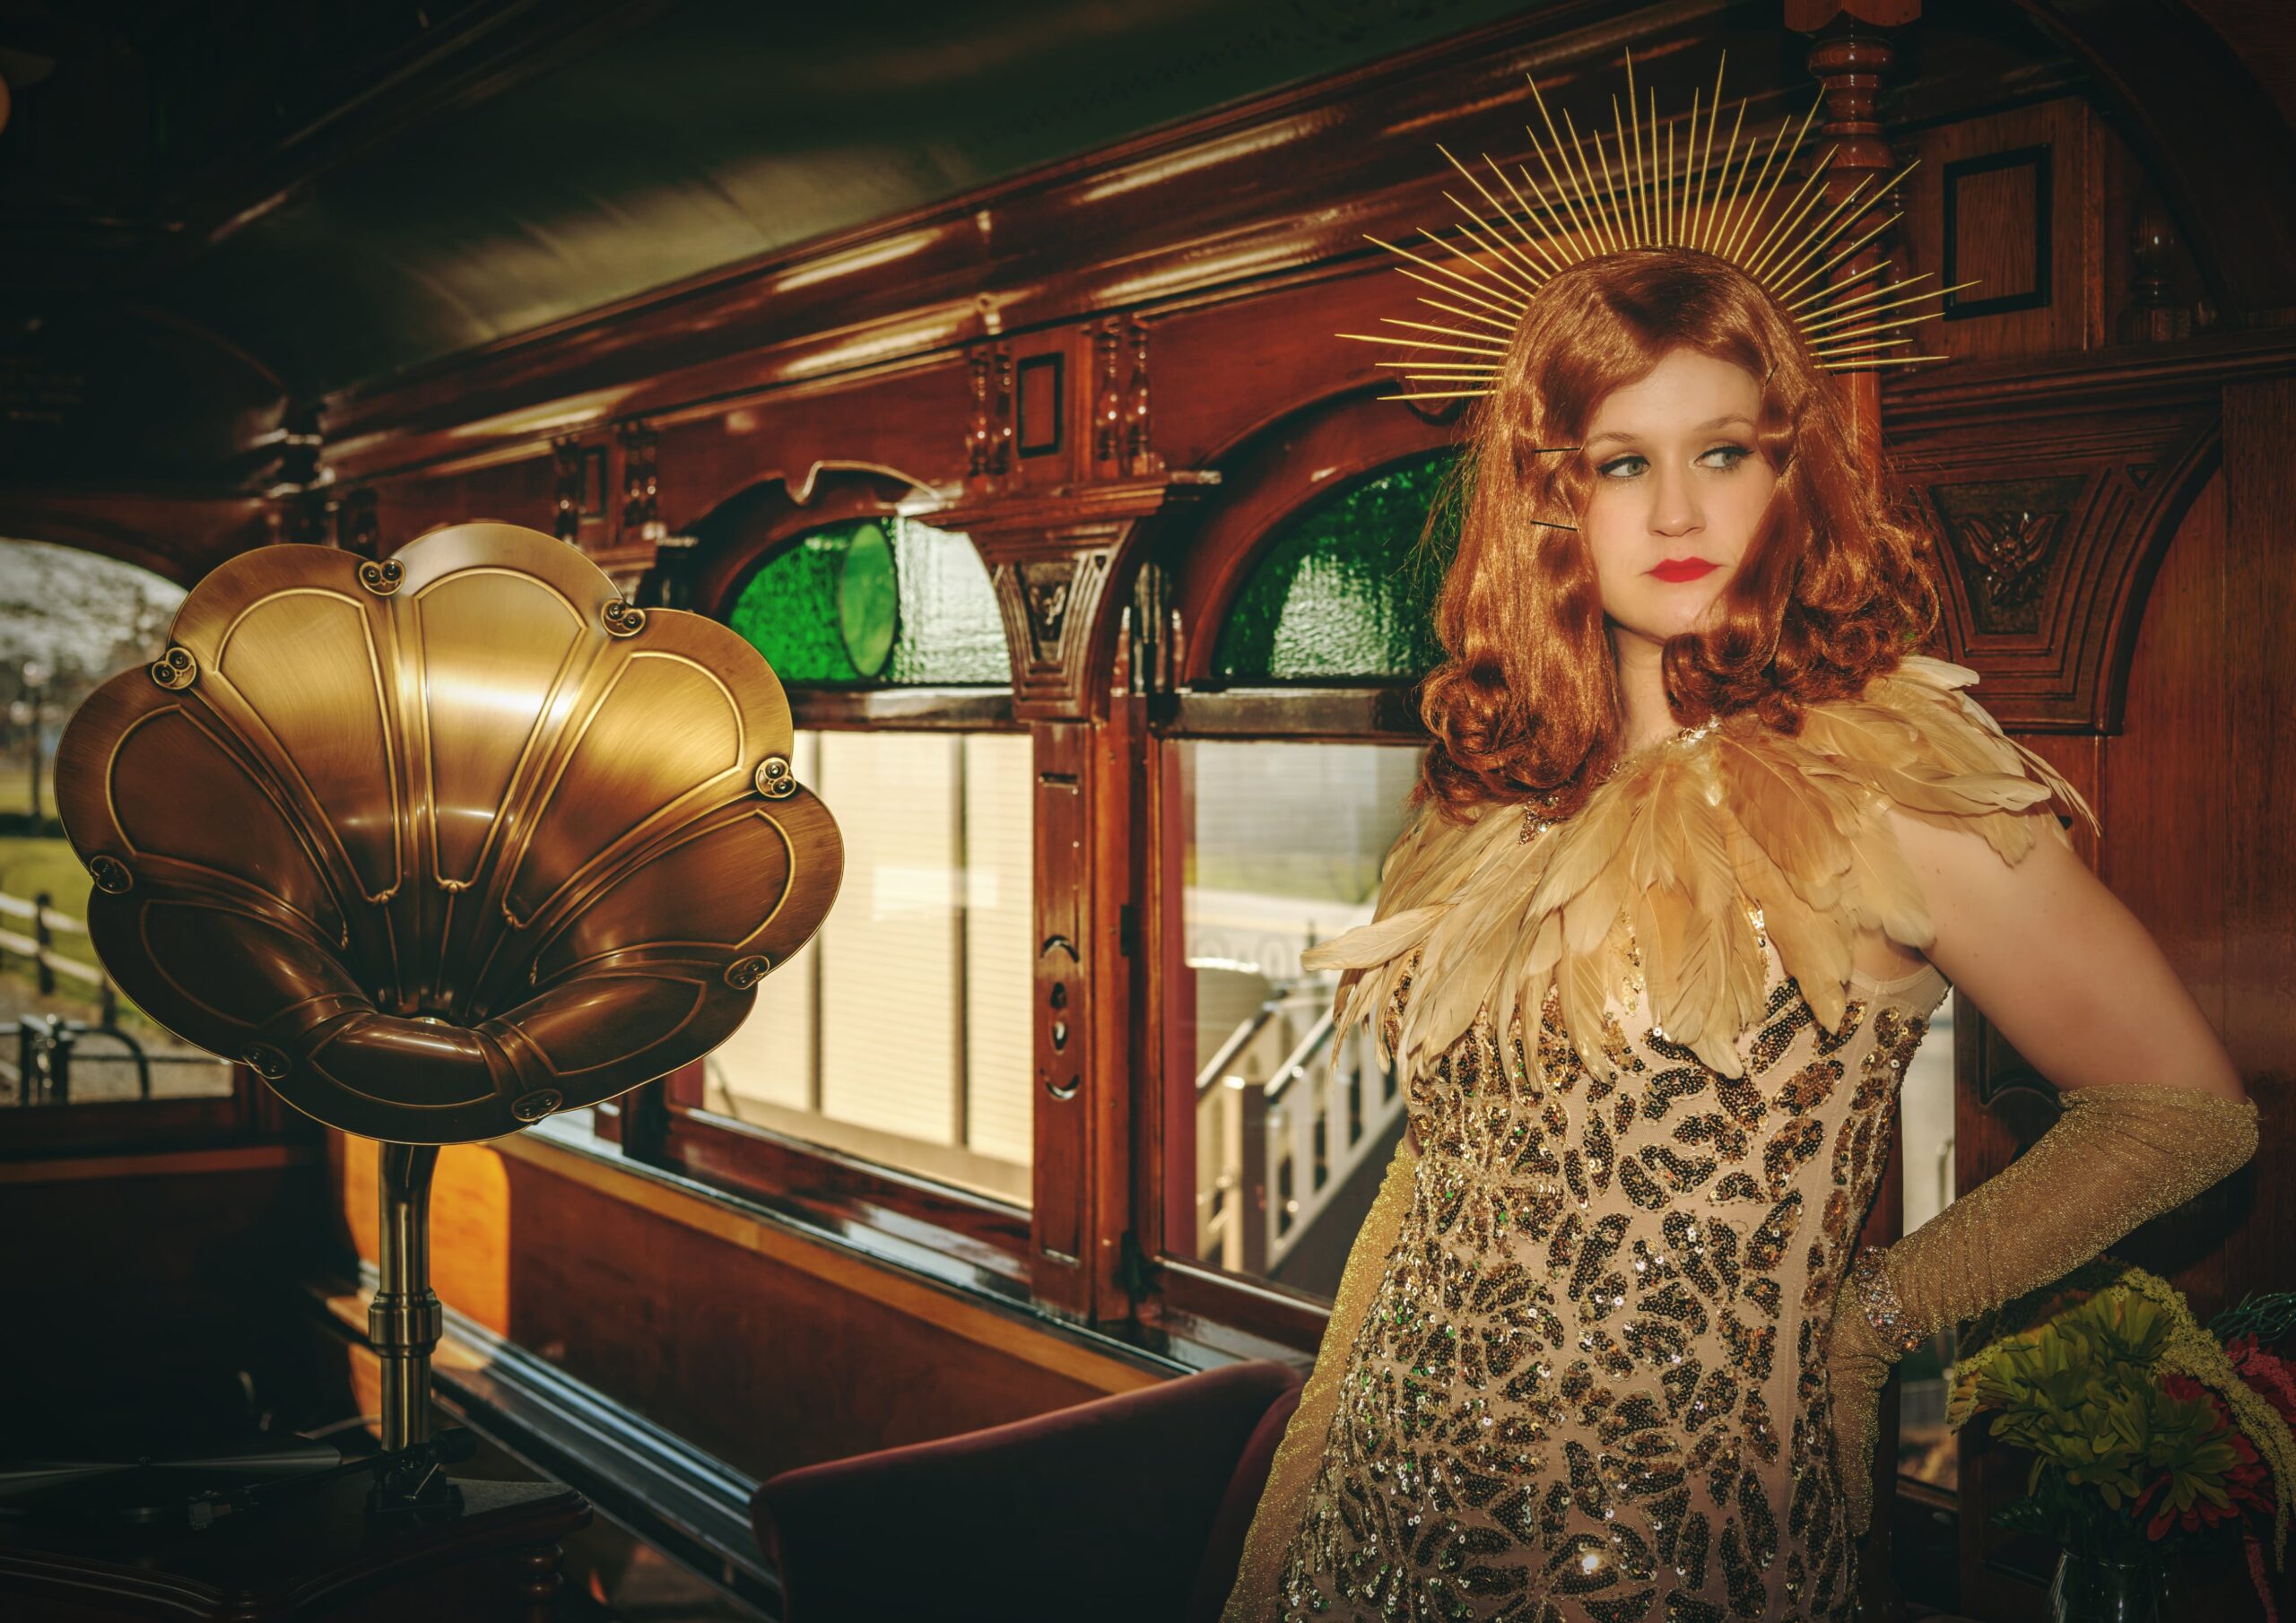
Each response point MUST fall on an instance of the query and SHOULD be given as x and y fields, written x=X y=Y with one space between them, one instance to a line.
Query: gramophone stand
x=404 y=1320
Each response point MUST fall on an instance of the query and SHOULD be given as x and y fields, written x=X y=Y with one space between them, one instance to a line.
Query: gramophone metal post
x=404 y=1320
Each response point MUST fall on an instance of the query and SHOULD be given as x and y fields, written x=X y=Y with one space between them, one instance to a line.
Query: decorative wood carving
x=2005 y=534
x=566 y=457
x=2055 y=516
x=1850 y=61
x=642 y=495
x=2154 y=315
x=1140 y=458
x=358 y=528
x=1108 y=402
x=1050 y=556
x=988 y=442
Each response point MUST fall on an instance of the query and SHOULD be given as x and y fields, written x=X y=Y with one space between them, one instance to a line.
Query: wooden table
x=318 y=1556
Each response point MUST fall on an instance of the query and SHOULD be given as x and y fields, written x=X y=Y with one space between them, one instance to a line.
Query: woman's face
x=1680 y=486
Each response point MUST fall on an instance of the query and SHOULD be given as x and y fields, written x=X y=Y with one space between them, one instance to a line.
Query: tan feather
x=1682 y=840
x=1375 y=942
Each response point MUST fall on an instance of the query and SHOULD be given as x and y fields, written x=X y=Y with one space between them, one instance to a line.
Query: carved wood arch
x=1291 y=465
x=2053 y=512
x=744 y=532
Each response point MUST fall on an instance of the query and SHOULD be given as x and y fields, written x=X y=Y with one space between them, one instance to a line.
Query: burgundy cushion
x=1224 y=1552
x=1115 y=1499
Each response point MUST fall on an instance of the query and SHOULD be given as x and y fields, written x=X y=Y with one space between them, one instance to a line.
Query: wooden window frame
x=664 y=1124
x=1199 y=1299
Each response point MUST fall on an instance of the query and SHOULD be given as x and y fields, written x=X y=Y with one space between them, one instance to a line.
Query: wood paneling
x=759 y=1345
x=1995 y=181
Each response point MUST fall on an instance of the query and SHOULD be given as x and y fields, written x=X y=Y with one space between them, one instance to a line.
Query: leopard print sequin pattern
x=1590 y=1387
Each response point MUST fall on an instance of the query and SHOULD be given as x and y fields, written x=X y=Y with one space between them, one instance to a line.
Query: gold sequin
x=1591 y=1369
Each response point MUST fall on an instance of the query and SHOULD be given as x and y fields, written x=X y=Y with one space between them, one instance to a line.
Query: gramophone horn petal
x=452 y=845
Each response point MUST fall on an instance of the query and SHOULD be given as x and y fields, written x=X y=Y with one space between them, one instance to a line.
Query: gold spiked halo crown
x=1598 y=202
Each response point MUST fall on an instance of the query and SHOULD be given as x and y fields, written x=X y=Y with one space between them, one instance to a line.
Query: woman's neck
x=1644 y=717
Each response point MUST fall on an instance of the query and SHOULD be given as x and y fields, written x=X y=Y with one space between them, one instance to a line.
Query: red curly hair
x=1834 y=588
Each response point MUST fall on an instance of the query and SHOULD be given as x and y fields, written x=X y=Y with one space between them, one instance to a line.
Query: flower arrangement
x=2151 y=1434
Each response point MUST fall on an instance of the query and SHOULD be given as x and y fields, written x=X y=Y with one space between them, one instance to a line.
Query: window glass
x=1284 y=843
x=901 y=1033
x=68 y=620
x=1346 y=588
x=876 y=600
x=1925 y=1449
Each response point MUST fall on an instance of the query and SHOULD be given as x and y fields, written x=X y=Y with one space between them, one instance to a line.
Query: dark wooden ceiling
x=338 y=191
x=215 y=215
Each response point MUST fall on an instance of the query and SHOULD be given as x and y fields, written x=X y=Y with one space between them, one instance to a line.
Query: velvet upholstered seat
x=1127 y=1509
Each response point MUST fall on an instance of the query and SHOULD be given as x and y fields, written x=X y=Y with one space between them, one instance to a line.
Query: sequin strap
x=2118 y=1155
x=1258 y=1596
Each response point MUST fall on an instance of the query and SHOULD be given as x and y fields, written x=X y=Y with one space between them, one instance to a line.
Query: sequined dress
x=1590 y=1383
x=1575 y=1368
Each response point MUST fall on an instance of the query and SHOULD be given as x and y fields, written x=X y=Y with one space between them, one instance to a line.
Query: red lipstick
x=1683 y=568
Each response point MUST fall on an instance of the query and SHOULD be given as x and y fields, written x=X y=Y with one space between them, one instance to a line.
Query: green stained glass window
x=1346 y=589
x=876 y=601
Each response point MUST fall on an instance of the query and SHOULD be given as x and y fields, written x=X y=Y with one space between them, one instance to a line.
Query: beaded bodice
x=1589 y=1382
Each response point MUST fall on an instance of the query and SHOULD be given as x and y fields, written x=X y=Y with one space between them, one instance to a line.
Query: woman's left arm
x=2060 y=966
x=2153 y=1110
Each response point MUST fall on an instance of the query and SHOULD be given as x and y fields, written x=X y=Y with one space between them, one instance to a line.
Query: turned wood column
x=1851 y=52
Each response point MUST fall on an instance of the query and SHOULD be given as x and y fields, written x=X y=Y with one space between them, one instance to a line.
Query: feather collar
x=1677 y=854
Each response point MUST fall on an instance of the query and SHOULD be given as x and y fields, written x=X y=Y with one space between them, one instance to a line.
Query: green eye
x=1731 y=455
x=1622 y=467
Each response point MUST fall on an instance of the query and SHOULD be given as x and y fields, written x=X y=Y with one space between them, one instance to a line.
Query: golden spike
x=1610 y=189
x=1461 y=288
x=1854 y=300
x=1538 y=275
x=1758 y=264
x=1838 y=319
x=1879 y=360
x=1579 y=228
x=1757 y=199
x=1605 y=221
x=1856 y=338
x=1722 y=195
x=1666 y=222
x=1851 y=280
x=1545 y=524
x=1829 y=230
x=1429 y=326
x=1706 y=158
x=1458 y=291
x=1467 y=259
x=1729 y=190
x=1831 y=341
x=1554 y=267
x=1502 y=270
x=1834 y=352
x=1634 y=191
x=1389 y=338
x=1583 y=205
x=1452 y=309
x=1690 y=160
x=1807 y=197
x=1559 y=223
x=1639 y=194
x=1439 y=395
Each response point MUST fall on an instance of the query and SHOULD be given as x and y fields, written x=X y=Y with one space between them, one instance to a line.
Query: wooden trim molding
x=907 y=1275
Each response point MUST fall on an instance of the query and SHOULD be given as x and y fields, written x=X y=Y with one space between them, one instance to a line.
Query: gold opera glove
x=2117 y=1156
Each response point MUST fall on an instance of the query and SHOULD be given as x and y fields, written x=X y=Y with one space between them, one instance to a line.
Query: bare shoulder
x=2058 y=963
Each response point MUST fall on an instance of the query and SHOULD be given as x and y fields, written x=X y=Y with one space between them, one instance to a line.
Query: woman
x=1699 y=846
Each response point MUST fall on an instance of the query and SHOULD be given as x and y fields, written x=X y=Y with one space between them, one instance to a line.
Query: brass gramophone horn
x=439 y=845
